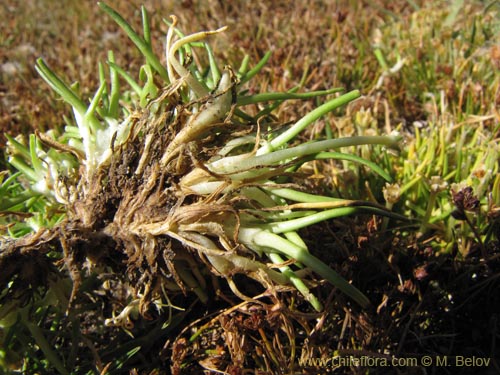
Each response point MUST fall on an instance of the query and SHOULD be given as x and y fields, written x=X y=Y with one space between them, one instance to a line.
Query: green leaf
x=140 y=43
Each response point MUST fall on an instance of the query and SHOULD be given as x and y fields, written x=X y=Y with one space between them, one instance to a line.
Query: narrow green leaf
x=146 y=29
x=350 y=157
x=243 y=66
x=35 y=160
x=256 y=69
x=140 y=43
x=113 y=110
x=271 y=242
x=214 y=69
x=19 y=147
x=271 y=96
x=133 y=84
x=58 y=85
x=305 y=121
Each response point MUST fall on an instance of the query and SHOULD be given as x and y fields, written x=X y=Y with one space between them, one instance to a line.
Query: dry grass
x=74 y=37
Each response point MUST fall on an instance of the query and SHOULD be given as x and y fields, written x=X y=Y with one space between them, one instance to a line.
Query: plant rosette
x=172 y=179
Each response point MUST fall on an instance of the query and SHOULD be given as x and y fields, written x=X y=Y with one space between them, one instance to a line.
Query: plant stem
x=271 y=242
x=296 y=281
x=240 y=163
x=140 y=43
x=199 y=89
x=272 y=96
x=308 y=119
x=256 y=69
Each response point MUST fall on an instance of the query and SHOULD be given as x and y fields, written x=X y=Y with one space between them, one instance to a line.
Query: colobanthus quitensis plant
x=171 y=178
